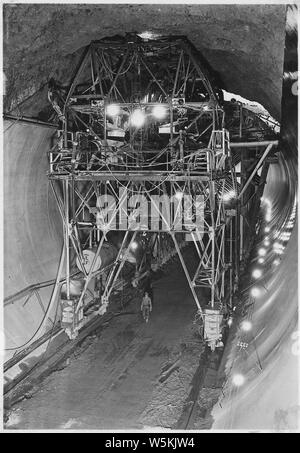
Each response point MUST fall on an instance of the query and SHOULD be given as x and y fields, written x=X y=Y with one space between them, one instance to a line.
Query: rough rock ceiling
x=243 y=43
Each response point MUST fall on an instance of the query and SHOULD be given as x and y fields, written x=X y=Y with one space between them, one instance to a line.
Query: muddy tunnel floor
x=131 y=375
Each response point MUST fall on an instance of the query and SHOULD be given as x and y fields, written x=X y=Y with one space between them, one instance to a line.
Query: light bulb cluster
x=138 y=116
x=239 y=379
x=285 y=236
x=278 y=248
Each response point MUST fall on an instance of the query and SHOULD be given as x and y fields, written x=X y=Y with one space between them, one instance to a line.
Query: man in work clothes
x=146 y=306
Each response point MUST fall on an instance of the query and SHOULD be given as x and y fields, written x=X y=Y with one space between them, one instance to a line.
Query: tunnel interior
x=150 y=151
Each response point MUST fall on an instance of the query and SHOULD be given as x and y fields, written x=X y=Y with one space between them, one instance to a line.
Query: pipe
x=253 y=144
x=27 y=119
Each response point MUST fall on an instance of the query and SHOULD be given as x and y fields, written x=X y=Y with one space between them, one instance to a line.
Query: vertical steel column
x=241 y=121
x=186 y=272
x=241 y=234
x=67 y=236
x=237 y=238
x=213 y=238
x=223 y=262
x=231 y=262
x=171 y=130
x=89 y=275
x=109 y=290
x=111 y=275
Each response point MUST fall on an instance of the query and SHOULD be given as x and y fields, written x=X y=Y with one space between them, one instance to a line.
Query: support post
x=67 y=238
x=186 y=273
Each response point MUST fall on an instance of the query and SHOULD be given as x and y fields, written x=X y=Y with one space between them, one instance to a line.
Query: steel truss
x=92 y=141
x=108 y=174
x=92 y=208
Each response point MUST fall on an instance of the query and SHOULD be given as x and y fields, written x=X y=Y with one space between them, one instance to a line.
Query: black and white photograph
x=149 y=196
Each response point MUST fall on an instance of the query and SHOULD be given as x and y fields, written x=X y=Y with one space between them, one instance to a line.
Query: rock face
x=243 y=43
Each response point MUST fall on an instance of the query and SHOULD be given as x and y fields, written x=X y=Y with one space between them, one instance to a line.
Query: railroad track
x=206 y=376
x=18 y=388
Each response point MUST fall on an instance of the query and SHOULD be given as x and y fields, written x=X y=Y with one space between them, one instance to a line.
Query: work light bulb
x=159 y=112
x=134 y=245
x=179 y=195
x=257 y=273
x=255 y=292
x=246 y=326
x=238 y=380
x=262 y=252
x=112 y=110
x=137 y=118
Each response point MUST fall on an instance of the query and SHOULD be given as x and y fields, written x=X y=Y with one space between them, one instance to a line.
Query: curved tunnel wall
x=32 y=228
x=269 y=359
x=269 y=363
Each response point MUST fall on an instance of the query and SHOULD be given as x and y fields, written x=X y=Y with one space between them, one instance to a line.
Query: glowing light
x=112 y=110
x=148 y=35
x=266 y=242
x=229 y=195
x=159 y=112
x=179 y=195
x=268 y=217
x=285 y=236
x=257 y=273
x=255 y=292
x=238 y=380
x=276 y=262
x=266 y=201
x=279 y=251
x=137 y=118
x=267 y=229
x=260 y=260
x=290 y=224
x=134 y=245
x=262 y=252
x=246 y=326
x=230 y=321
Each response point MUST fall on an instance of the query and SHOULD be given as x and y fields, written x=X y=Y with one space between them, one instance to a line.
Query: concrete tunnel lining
x=254 y=42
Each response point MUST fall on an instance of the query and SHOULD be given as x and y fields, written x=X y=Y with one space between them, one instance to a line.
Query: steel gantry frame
x=109 y=173
x=87 y=221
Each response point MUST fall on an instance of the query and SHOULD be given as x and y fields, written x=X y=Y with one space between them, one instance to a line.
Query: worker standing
x=146 y=306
